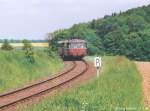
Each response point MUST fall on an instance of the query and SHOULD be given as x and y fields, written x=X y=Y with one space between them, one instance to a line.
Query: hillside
x=126 y=33
x=17 y=71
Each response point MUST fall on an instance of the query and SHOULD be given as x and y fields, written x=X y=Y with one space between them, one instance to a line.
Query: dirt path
x=144 y=69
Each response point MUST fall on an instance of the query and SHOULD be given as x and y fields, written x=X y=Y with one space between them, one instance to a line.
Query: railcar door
x=66 y=47
x=60 y=49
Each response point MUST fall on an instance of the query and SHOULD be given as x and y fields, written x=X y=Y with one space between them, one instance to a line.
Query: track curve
x=8 y=99
x=38 y=83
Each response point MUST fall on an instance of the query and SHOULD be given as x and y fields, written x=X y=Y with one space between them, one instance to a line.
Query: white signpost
x=98 y=64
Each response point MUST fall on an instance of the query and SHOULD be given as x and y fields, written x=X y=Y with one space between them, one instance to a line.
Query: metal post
x=98 y=64
x=98 y=71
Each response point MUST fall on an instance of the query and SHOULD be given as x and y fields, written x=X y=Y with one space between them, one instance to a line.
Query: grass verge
x=15 y=70
x=117 y=89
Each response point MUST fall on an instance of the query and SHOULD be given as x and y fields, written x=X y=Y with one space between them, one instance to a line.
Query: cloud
x=4 y=1
x=34 y=18
x=131 y=1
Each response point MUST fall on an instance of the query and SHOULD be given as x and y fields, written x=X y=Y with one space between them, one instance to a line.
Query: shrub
x=6 y=45
x=29 y=52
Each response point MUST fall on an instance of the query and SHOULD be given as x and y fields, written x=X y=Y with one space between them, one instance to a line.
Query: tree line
x=19 y=41
x=125 y=33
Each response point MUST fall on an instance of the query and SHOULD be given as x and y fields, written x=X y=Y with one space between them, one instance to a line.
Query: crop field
x=118 y=88
x=33 y=44
x=16 y=71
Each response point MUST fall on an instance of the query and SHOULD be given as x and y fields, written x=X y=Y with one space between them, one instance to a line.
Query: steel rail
x=38 y=83
x=48 y=89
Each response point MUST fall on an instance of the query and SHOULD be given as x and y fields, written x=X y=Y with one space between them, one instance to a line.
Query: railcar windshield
x=77 y=45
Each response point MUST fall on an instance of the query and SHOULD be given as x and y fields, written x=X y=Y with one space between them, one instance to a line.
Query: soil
x=144 y=69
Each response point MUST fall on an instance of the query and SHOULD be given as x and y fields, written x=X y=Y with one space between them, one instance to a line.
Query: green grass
x=118 y=87
x=16 y=71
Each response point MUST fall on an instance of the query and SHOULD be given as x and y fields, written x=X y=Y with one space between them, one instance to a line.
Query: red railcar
x=72 y=48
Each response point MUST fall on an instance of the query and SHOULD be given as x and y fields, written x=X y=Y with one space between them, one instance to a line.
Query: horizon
x=35 y=18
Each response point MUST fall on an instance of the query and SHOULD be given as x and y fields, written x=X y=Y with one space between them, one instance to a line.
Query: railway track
x=17 y=96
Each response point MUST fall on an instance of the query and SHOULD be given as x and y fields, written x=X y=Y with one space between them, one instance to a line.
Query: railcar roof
x=72 y=41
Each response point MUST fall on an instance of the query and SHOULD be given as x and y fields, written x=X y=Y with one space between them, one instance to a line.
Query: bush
x=29 y=52
x=92 y=50
x=6 y=45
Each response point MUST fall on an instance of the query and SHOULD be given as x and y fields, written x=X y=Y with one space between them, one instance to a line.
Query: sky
x=33 y=19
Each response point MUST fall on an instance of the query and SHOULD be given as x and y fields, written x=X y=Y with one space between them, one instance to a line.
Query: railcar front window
x=73 y=46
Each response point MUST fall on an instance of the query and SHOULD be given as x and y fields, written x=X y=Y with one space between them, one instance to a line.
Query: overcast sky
x=32 y=19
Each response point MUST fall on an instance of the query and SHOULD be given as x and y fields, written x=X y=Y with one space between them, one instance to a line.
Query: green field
x=117 y=89
x=16 y=71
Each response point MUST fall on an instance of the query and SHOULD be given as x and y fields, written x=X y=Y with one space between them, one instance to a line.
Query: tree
x=135 y=23
x=145 y=36
x=29 y=52
x=6 y=45
x=134 y=44
x=113 y=42
x=50 y=38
